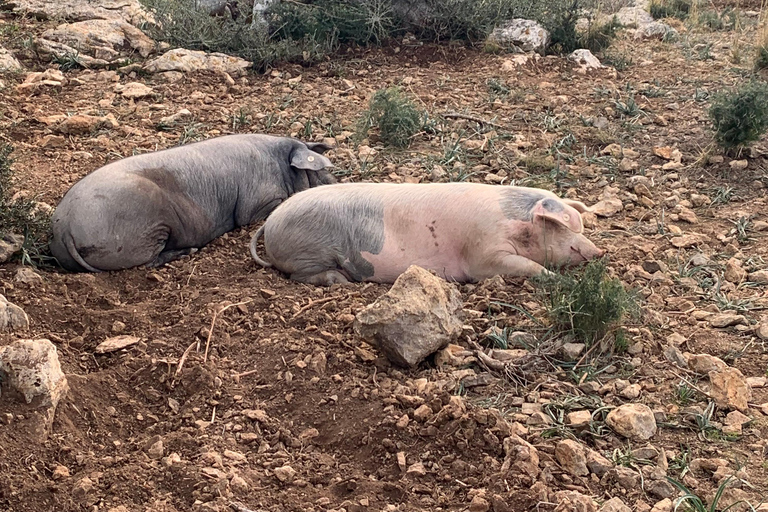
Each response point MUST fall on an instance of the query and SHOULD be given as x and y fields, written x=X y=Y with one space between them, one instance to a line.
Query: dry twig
x=457 y=115
x=213 y=322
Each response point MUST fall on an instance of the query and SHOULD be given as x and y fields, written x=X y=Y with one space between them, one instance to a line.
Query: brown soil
x=330 y=402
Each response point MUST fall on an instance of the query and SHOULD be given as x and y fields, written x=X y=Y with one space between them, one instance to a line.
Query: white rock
x=585 y=59
x=655 y=30
x=31 y=368
x=79 y=10
x=102 y=39
x=730 y=390
x=8 y=63
x=634 y=421
x=528 y=35
x=10 y=244
x=12 y=317
x=134 y=90
x=419 y=315
x=184 y=60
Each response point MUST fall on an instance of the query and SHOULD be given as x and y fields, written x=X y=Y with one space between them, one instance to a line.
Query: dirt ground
x=282 y=381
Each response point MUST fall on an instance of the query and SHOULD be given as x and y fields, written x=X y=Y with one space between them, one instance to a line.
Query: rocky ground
x=276 y=404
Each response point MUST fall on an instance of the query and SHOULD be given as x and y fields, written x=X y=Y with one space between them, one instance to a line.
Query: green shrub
x=21 y=215
x=670 y=9
x=740 y=116
x=395 y=115
x=560 y=19
x=599 y=36
x=585 y=302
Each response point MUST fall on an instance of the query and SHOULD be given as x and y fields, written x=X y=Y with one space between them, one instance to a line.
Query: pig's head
x=309 y=165
x=563 y=242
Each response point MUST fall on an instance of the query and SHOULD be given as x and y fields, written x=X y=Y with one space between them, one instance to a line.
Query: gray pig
x=153 y=208
x=464 y=231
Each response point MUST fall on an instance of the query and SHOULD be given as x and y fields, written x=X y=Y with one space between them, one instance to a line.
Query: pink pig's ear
x=565 y=214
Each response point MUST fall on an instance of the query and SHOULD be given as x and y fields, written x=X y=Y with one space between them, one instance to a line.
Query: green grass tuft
x=740 y=116
x=394 y=114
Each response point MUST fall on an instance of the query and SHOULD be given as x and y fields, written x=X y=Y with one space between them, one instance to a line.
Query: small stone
x=479 y=504
x=574 y=501
x=12 y=317
x=736 y=418
x=687 y=215
x=631 y=392
x=239 y=485
x=401 y=463
x=762 y=330
x=608 y=207
x=579 y=419
x=675 y=355
x=53 y=142
x=757 y=382
x=134 y=90
x=116 y=343
x=723 y=320
x=729 y=389
x=634 y=421
x=572 y=351
x=423 y=413
x=661 y=489
x=416 y=469
x=739 y=165
x=705 y=363
x=733 y=271
x=285 y=474
x=157 y=450
x=570 y=455
x=759 y=277
x=60 y=473
x=664 y=505
x=10 y=244
x=615 y=505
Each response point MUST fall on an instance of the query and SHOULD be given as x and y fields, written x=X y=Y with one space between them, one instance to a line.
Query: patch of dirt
x=283 y=381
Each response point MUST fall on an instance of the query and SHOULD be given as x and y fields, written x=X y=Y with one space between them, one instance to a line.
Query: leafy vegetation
x=740 y=115
x=586 y=302
x=395 y=116
x=21 y=215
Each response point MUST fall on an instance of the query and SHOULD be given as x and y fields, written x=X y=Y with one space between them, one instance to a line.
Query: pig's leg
x=326 y=278
x=512 y=265
x=168 y=256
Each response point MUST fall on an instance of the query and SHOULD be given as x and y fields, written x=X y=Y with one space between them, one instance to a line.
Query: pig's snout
x=586 y=253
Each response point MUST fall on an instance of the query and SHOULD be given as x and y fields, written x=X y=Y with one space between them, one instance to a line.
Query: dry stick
x=213 y=322
x=314 y=303
x=183 y=358
x=476 y=119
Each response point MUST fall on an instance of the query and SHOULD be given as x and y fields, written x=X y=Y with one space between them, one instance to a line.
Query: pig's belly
x=399 y=253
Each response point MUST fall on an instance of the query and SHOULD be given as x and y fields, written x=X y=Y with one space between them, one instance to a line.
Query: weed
x=191 y=133
x=22 y=216
x=394 y=115
x=681 y=463
x=761 y=58
x=694 y=503
x=684 y=394
x=722 y=195
x=670 y=9
x=586 y=302
x=599 y=36
x=497 y=88
x=240 y=119
x=67 y=61
x=741 y=226
x=620 y=61
x=561 y=22
x=740 y=116
x=629 y=107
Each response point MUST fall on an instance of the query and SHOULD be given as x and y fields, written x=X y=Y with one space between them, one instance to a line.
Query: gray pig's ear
x=318 y=147
x=303 y=158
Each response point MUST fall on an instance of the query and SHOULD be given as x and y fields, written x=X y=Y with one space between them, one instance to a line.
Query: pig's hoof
x=326 y=278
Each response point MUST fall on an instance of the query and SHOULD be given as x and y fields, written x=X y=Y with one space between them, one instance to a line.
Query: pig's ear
x=318 y=147
x=304 y=158
x=559 y=212
x=578 y=205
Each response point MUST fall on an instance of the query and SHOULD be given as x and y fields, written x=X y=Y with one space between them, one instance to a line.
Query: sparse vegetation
x=21 y=215
x=395 y=116
x=694 y=503
x=740 y=116
x=670 y=8
x=586 y=302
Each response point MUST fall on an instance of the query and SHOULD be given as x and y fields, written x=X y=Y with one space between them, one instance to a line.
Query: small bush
x=670 y=9
x=560 y=19
x=599 y=36
x=21 y=215
x=740 y=116
x=761 y=58
x=586 y=302
x=395 y=115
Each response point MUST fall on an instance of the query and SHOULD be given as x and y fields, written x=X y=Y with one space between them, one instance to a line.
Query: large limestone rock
x=8 y=63
x=12 y=317
x=104 y=41
x=80 y=10
x=522 y=34
x=418 y=316
x=633 y=421
x=30 y=369
x=184 y=60
x=730 y=390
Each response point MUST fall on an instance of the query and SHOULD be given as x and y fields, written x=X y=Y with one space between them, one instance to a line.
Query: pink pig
x=465 y=232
